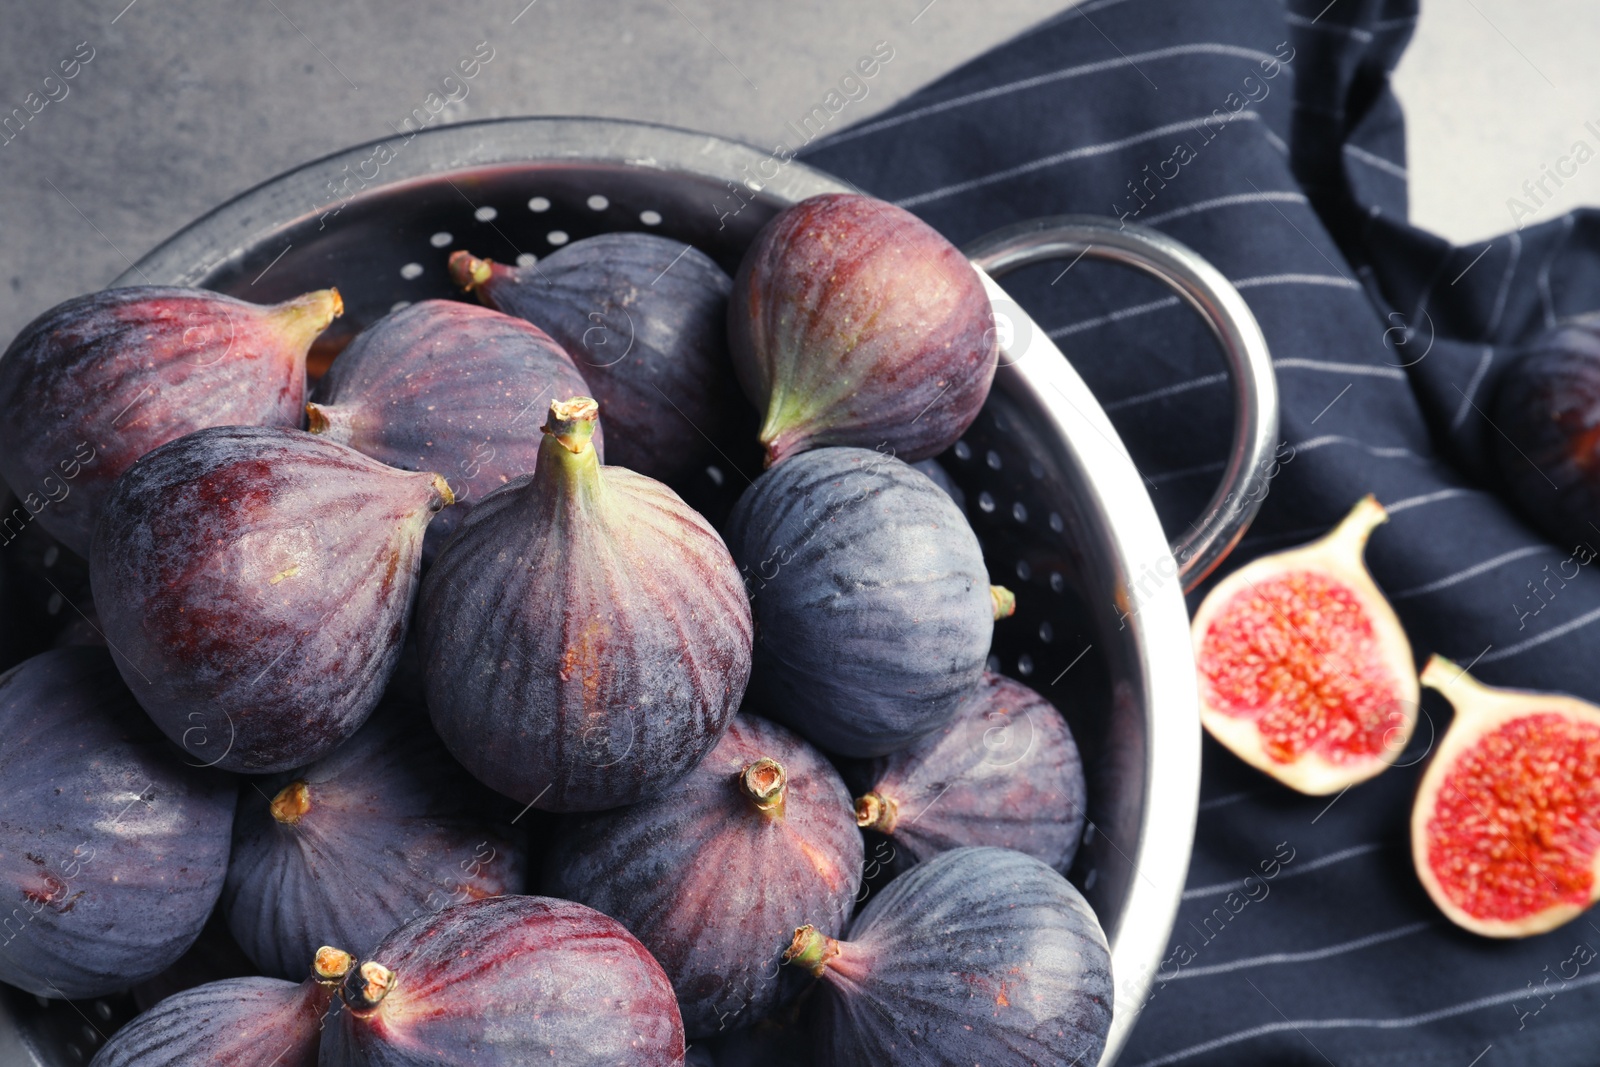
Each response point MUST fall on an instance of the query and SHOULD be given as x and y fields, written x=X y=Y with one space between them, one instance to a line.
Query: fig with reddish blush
x=853 y=322
x=1305 y=672
x=254 y=585
x=506 y=982
x=1505 y=829
x=585 y=637
x=645 y=320
x=237 y=1022
x=764 y=804
x=112 y=850
x=96 y=382
x=873 y=609
x=448 y=387
x=1005 y=771
x=979 y=955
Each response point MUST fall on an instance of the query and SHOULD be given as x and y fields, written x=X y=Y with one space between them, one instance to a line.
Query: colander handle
x=1202 y=286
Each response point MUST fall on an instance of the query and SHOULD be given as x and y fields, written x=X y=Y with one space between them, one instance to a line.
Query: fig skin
x=96 y=382
x=873 y=608
x=114 y=850
x=254 y=585
x=980 y=955
x=1004 y=772
x=662 y=868
x=505 y=982
x=585 y=637
x=448 y=387
x=644 y=318
x=214 y=956
x=382 y=830
x=853 y=322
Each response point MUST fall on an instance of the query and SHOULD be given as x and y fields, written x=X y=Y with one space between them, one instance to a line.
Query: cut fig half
x=1505 y=831
x=1305 y=672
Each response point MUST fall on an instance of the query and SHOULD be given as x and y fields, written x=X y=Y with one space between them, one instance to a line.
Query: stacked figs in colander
x=484 y=751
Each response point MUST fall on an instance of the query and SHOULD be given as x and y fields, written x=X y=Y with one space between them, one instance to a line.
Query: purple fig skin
x=980 y=955
x=506 y=982
x=96 y=382
x=254 y=586
x=585 y=637
x=644 y=318
x=111 y=849
x=1004 y=772
x=853 y=322
x=662 y=867
x=448 y=387
x=941 y=477
x=214 y=956
x=340 y=853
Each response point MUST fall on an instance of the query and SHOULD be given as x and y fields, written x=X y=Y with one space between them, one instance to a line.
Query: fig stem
x=811 y=949
x=447 y=496
x=365 y=987
x=291 y=803
x=468 y=271
x=1456 y=685
x=1350 y=536
x=331 y=964
x=304 y=317
x=572 y=422
x=1005 y=602
x=765 y=783
x=874 y=811
x=331 y=422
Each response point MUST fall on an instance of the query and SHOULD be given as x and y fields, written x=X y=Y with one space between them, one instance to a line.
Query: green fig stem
x=765 y=782
x=1351 y=534
x=365 y=987
x=1461 y=689
x=291 y=803
x=811 y=949
x=874 y=811
x=572 y=423
x=1005 y=601
x=469 y=272
x=331 y=964
x=444 y=496
x=303 y=318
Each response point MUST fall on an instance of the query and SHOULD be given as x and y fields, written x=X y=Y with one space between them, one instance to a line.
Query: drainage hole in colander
x=539 y=203
x=963 y=451
x=1024 y=571
x=526 y=259
x=993 y=459
x=985 y=502
x=410 y=271
x=485 y=214
x=598 y=203
x=1024 y=664
x=1019 y=512
x=1047 y=632
x=650 y=218
x=556 y=237
x=440 y=239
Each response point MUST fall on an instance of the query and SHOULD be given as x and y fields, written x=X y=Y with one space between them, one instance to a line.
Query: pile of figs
x=400 y=728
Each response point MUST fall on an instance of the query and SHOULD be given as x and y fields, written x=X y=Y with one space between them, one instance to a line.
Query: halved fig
x=1305 y=672
x=1505 y=830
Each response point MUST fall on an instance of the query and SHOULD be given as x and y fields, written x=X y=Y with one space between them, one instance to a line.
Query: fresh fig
x=873 y=609
x=979 y=955
x=113 y=850
x=254 y=585
x=1505 y=830
x=1005 y=771
x=853 y=322
x=382 y=830
x=1305 y=672
x=507 y=981
x=237 y=1022
x=213 y=957
x=585 y=637
x=763 y=803
x=644 y=318
x=449 y=387
x=96 y=382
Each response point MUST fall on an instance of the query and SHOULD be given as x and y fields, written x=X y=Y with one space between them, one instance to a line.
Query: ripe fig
x=449 y=387
x=979 y=955
x=644 y=319
x=214 y=956
x=873 y=609
x=254 y=584
x=1505 y=830
x=503 y=982
x=1005 y=771
x=585 y=637
x=380 y=831
x=96 y=382
x=1305 y=672
x=237 y=1022
x=112 y=849
x=763 y=803
x=853 y=322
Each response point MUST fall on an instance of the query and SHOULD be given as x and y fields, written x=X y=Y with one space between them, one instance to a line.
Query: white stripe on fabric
x=1116 y=316
x=1471 y=572
x=1216 y=379
x=1380 y=451
x=1186 y=472
x=1560 y=631
x=1472 y=387
x=1299 y=957
x=1165 y=391
x=1334 y=367
x=1545 y=298
x=1328 y=280
x=1289 y=871
x=1372 y=159
x=1222 y=802
x=1226 y=201
x=1355 y=33
x=1427 y=498
x=1505 y=284
x=1274 y=140
x=1394 y=24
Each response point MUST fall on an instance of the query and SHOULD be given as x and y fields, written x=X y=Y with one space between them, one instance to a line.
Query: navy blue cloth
x=1266 y=136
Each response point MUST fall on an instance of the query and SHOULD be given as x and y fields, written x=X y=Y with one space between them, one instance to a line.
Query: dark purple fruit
x=714 y=873
x=585 y=637
x=507 y=982
x=214 y=956
x=112 y=851
x=96 y=382
x=379 y=832
x=448 y=387
x=645 y=320
x=237 y=1022
x=980 y=955
x=1005 y=771
x=873 y=609
x=942 y=479
x=853 y=322
x=254 y=585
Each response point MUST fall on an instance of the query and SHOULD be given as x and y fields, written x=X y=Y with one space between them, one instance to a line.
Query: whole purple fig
x=853 y=322
x=254 y=586
x=96 y=382
x=449 y=387
x=585 y=637
x=113 y=851
x=214 y=956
